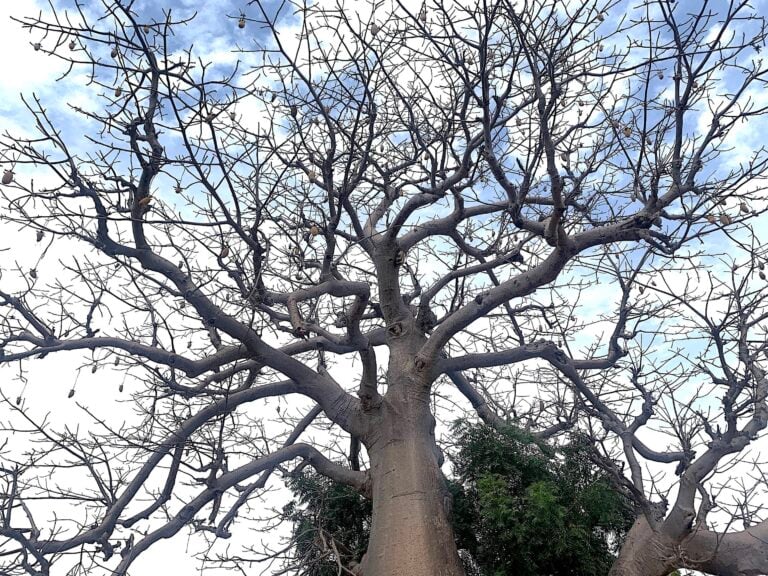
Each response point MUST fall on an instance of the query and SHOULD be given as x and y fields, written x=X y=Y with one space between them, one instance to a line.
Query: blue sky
x=213 y=33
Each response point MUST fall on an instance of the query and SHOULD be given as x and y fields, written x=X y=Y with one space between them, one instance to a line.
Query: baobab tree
x=541 y=209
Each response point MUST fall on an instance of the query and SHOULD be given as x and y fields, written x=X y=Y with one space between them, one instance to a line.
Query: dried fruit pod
x=113 y=53
x=224 y=251
x=71 y=393
x=72 y=45
x=314 y=229
x=37 y=46
x=627 y=131
x=762 y=275
x=232 y=116
x=33 y=274
x=146 y=29
x=117 y=360
x=725 y=220
x=118 y=92
x=120 y=388
x=241 y=22
x=18 y=400
x=744 y=208
x=294 y=110
x=7 y=177
x=94 y=368
x=375 y=28
x=39 y=235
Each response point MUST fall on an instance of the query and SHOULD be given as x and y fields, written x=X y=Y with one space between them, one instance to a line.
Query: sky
x=24 y=70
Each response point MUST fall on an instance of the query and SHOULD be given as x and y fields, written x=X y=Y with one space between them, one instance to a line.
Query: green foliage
x=519 y=507
x=331 y=523
x=523 y=508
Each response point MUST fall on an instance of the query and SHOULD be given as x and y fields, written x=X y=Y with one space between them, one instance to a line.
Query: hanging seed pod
x=113 y=53
x=33 y=274
x=762 y=275
x=600 y=17
x=232 y=116
x=660 y=75
x=241 y=22
x=314 y=229
x=118 y=92
x=146 y=29
x=627 y=131
x=224 y=251
x=177 y=189
x=18 y=400
x=744 y=208
x=274 y=97
x=519 y=121
x=120 y=388
x=423 y=14
x=7 y=177
x=72 y=45
x=94 y=368
x=37 y=46
x=39 y=235
x=375 y=29
x=725 y=220
x=71 y=393
x=294 y=110
x=117 y=360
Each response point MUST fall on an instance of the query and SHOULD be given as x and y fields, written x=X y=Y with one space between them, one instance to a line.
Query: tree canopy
x=311 y=234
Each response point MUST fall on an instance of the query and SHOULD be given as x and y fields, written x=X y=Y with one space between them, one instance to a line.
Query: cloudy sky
x=213 y=33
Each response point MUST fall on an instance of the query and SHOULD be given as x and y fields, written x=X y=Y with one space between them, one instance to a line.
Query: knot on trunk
x=397 y=329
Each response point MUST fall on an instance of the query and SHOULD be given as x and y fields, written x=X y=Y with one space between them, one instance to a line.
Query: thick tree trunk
x=644 y=553
x=652 y=553
x=411 y=532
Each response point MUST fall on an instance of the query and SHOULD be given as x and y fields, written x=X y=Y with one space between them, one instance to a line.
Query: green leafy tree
x=519 y=507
